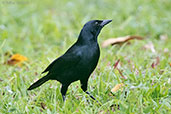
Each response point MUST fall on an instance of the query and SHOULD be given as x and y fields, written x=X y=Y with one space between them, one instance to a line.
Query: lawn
x=44 y=30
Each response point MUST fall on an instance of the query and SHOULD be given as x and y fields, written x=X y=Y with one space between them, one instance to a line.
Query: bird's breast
x=89 y=58
x=91 y=52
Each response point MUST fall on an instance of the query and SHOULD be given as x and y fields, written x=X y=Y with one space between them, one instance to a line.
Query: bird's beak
x=105 y=22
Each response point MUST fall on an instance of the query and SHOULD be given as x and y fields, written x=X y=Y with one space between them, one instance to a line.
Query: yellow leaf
x=117 y=87
x=16 y=58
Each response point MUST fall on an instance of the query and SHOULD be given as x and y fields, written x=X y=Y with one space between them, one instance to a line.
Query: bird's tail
x=39 y=82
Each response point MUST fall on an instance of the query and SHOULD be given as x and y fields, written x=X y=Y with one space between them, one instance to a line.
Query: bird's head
x=92 y=28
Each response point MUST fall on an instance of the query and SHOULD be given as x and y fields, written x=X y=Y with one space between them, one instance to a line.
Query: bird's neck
x=86 y=38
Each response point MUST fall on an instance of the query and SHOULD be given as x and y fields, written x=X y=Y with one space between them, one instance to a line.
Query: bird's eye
x=96 y=23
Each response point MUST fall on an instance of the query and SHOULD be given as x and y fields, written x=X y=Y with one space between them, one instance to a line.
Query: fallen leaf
x=150 y=46
x=116 y=64
x=120 y=40
x=16 y=59
x=117 y=87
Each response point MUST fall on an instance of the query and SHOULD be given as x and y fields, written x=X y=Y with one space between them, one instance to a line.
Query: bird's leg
x=63 y=91
x=84 y=88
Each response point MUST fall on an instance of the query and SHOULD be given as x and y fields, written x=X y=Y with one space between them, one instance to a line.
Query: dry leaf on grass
x=16 y=59
x=117 y=87
x=120 y=40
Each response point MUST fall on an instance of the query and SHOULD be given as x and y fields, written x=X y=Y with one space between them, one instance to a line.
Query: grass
x=43 y=30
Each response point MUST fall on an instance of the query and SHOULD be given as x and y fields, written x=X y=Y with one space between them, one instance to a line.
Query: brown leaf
x=116 y=64
x=16 y=59
x=117 y=87
x=120 y=40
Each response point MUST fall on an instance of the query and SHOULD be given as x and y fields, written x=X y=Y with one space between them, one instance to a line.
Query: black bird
x=78 y=62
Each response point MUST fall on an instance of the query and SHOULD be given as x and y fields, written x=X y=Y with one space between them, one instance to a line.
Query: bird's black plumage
x=78 y=62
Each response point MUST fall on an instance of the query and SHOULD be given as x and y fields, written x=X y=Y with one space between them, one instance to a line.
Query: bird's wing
x=51 y=65
x=69 y=59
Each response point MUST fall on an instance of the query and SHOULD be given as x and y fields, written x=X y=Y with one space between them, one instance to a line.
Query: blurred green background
x=43 y=30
